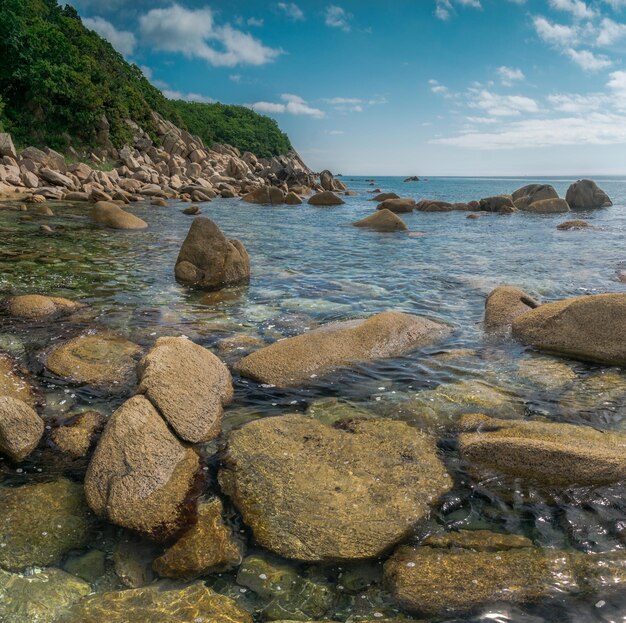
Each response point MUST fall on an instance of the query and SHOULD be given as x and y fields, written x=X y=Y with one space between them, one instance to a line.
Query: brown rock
x=77 y=435
x=499 y=203
x=292 y=199
x=158 y=201
x=36 y=306
x=21 y=428
x=384 y=196
x=191 y=211
x=397 y=205
x=526 y=195
x=265 y=195
x=547 y=206
x=503 y=305
x=382 y=220
x=573 y=224
x=15 y=383
x=585 y=194
x=326 y=198
x=111 y=215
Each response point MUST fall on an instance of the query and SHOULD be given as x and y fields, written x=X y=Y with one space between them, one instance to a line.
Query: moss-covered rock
x=77 y=435
x=331 y=410
x=15 y=381
x=547 y=373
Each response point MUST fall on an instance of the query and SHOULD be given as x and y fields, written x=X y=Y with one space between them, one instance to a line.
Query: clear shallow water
x=310 y=266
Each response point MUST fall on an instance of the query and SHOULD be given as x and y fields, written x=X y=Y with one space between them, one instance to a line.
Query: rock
x=6 y=146
x=56 y=178
x=326 y=198
x=38 y=598
x=140 y=476
x=99 y=196
x=573 y=224
x=527 y=195
x=412 y=178
x=99 y=359
x=111 y=215
x=295 y=360
x=157 y=604
x=239 y=343
x=77 y=435
x=503 y=305
x=292 y=199
x=327 y=180
x=15 y=382
x=478 y=540
x=46 y=229
x=591 y=328
x=158 y=201
x=265 y=195
x=473 y=217
x=430 y=205
x=397 y=206
x=585 y=194
x=35 y=199
x=547 y=206
x=90 y=566
x=434 y=580
x=561 y=455
x=209 y=260
x=383 y=220
x=132 y=560
x=500 y=203
x=546 y=372
x=21 y=428
x=191 y=211
x=36 y=306
x=206 y=548
x=374 y=481
x=384 y=196
x=188 y=385
x=41 y=523
x=43 y=210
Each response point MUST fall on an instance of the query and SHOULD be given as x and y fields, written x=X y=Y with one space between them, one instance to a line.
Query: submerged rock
x=585 y=194
x=36 y=306
x=189 y=386
x=77 y=435
x=383 y=220
x=573 y=224
x=397 y=206
x=38 y=598
x=39 y=523
x=331 y=410
x=443 y=581
x=111 y=215
x=503 y=305
x=207 y=547
x=296 y=360
x=547 y=373
x=591 y=328
x=140 y=476
x=374 y=480
x=100 y=359
x=326 y=198
x=551 y=454
x=157 y=604
x=21 y=428
x=15 y=382
x=209 y=260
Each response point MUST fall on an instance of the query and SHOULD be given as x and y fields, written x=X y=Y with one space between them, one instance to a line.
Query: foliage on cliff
x=59 y=79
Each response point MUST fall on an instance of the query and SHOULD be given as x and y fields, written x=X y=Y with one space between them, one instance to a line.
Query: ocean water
x=311 y=266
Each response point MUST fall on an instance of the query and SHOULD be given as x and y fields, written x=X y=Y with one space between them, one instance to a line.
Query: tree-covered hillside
x=58 y=80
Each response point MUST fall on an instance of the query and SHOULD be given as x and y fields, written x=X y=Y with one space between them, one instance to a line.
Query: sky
x=402 y=87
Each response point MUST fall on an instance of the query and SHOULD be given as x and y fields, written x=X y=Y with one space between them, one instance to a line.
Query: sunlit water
x=311 y=266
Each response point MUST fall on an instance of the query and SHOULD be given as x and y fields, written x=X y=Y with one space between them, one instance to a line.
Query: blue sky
x=426 y=87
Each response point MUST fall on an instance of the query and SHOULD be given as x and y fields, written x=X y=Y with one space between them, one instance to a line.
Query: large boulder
x=547 y=206
x=295 y=360
x=265 y=195
x=209 y=260
x=398 y=206
x=499 y=203
x=36 y=306
x=158 y=604
x=453 y=576
x=55 y=178
x=503 y=305
x=562 y=455
x=382 y=220
x=141 y=476
x=42 y=522
x=99 y=359
x=6 y=146
x=526 y=195
x=21 y=428
x=590 y=328
x=586 y=194
x=111 y=215
x=327 y=180
x=189 y=386
x=374 y=480
x=326 y=198
x=384 y=196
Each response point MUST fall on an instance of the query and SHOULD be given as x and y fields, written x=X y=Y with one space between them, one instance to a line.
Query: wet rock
x=15 y=382
x=374 y=481
x=546 y=373
x=140 y=476
x=384 y=196
x=209 y=260
x=327 y=180
x=573 y=224
x=548 y=206
x=525 y=196
x=40 y=597
x=188 y=385
x=431 y=205
x=289 y=595
x=591 y=328
x=207 y=547
x=326 y=198
x=77 y=435
x=21 y=428
x=503 y=305
x=99 y=359
x=444 y=581
x=39 y=523
x=331 y=410
x=500 y=203
x=239 y=343
x=90 y=566
x=132 y=561
x=157 y=604
x=265 y=195
x=43 y=210
x=296 y=360
x=191 y=211
x=585 y=194
x=36 y=306
x=159 y=202
x=478 y=540
x=292 y=199
x=397 y=206
x=111 y=215
x=383 y=220
x=551 y=454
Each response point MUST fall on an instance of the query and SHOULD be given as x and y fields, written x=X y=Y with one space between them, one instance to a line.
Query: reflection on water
x=310 y=266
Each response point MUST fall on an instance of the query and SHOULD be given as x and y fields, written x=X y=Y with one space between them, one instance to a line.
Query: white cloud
x=146 y=71
x=194 y=34
x=255 y=21
x=337 y=17
x=496 y=105
x=188 y=97
x=617 y=84
x=554 y=34
x=122 y=40
x=610 y=32
x=293 y=105
x=335 y=132
x=444 y=8
x=577 y=8
x=292 y=10
x=577 y=103
x=589 y=61
x=509 y=75
x=438 y=88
